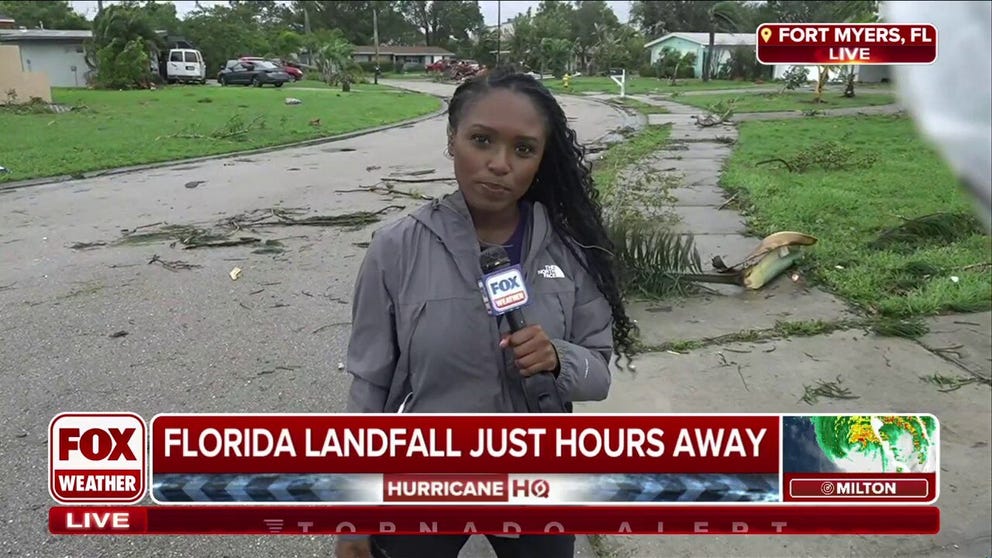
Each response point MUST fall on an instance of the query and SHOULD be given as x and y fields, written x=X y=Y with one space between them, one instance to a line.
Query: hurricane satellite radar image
x=859 y=443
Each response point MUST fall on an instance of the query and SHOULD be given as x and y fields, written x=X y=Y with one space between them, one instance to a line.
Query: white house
x=725 y=43
x=57 y=54
x=684 y=43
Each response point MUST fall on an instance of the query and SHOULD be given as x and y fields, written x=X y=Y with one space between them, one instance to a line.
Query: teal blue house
x=723 y=44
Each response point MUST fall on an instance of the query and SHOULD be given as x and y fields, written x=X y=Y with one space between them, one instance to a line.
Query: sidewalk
x=769 y=374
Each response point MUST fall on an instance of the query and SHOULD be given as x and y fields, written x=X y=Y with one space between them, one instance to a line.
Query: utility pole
x=499 y=29
x=99 y=6
x=375 y=38
x=306 y=32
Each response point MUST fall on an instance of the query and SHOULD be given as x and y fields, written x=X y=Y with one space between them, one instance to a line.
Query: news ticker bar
x=846 y=43
x=657 y=520
x=113 y=458
x=545 y=490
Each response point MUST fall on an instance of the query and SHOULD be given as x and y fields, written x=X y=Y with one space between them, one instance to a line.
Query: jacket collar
x=450 y=220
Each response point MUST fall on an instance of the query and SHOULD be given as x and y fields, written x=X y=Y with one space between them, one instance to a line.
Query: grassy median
x=107 y=129
x=787 y=101
x=897 y=235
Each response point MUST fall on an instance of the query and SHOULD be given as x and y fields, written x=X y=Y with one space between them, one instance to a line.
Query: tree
x=161 y=16
x=595 y=30
x=444 y=24
x=722 y=17
x=795 y=11
x=354 y=20
x=287 y=44
x=122 y=47
x=226 y=32
x=657 y=18
x=336 y=64
x=44 y=14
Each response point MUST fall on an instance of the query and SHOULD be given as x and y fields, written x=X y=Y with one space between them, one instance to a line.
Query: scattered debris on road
x=194 y=183
x=86 y=245
x=831 y=390
x=118 y=334
x=222 y=233
x=948 y=383
x=235 y=273
x=175 y=265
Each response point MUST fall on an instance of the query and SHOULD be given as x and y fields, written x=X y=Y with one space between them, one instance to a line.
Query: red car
x=295 y=73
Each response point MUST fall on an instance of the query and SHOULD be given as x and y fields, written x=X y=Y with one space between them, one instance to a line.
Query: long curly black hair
x=563 y=184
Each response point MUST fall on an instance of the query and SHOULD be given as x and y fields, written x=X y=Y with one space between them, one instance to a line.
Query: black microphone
x=505 y=293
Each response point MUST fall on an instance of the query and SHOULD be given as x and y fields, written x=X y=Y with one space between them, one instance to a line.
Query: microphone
x=505 y=293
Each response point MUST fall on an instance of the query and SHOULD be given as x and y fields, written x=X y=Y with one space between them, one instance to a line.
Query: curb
x=165 y=164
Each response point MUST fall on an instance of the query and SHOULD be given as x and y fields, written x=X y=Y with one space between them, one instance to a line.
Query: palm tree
x=724 y=16
x=117 y=29
x=336 y=65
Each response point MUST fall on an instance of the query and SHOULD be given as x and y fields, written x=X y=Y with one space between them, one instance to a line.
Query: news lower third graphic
x=648 y=473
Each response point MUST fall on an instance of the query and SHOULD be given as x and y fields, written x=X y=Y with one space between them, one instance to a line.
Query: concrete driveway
x=102 y=329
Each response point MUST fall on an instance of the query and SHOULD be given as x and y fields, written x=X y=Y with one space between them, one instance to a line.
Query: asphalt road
x=196 y=340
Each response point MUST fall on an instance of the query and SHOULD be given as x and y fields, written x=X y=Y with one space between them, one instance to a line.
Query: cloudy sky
x=507 y=8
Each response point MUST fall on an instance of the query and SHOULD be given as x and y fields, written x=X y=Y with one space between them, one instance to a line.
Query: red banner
x=846 y=43
x=610 y=520
x=859 y=487
x=271 y=444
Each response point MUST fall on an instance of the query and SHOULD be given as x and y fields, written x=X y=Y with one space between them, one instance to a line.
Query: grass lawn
x=637 y=85
x=848 y=209
x=640 y=106
x=121 y=128
x=313 y=83
x=771 y=102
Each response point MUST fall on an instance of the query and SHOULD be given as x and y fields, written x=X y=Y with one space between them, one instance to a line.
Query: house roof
x=403 y=50
x=6 y=18
x=719 y=39
x=43 y=35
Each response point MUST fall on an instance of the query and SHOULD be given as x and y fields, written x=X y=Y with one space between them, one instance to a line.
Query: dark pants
x=448 y=546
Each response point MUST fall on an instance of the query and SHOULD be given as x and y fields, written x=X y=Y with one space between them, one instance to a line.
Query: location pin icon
x=766 y=33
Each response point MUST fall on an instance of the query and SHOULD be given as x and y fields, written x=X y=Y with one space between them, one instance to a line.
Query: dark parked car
x=257 y=73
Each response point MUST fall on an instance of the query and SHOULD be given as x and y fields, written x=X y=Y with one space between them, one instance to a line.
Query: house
x=684 y=43
x=725 y=43
x=6 y=22
x=402 y=55
x=24 y=85
x=865 y=73
x=57 y=54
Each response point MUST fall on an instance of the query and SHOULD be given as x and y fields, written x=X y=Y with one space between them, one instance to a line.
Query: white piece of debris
x=955 y=278
x=293 y=101
x=340 y=366
x=235 y=273
x=4 y=170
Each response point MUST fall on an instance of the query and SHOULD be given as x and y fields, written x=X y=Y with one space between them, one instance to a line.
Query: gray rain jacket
x=422 y=339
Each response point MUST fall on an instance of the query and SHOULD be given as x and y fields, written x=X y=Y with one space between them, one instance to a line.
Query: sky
x=490 y=8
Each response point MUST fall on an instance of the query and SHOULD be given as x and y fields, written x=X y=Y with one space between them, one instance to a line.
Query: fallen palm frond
x=653 y=261
x=936 y=228
x=830 y=390
x=229 y=232
x=174 y=265
x=948 y=383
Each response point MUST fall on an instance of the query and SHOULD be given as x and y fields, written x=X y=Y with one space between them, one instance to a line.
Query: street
x=149 y=328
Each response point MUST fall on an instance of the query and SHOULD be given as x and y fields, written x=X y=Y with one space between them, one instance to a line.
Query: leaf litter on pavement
x=242 y=229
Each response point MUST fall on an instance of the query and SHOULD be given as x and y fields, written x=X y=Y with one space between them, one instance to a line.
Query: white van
x=185 y=65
